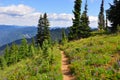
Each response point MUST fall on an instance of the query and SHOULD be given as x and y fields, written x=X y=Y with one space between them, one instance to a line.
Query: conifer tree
x=101 y=21
x=74 y=29
x=46 y=48
x=64 y=38
x=106 y=23
x=40 y=31
x=43 y=30
x=6 y=53
x=13 y=57
x=113 y=15
x=46 y=25
x=33 y=42
x=23 y=50
x=3 y=63
x=31 y=51
x=84 y=23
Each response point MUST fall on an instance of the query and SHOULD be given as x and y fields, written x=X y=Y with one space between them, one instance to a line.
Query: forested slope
x=26 y=62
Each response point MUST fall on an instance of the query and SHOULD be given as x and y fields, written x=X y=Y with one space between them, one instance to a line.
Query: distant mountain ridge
x=11 y=33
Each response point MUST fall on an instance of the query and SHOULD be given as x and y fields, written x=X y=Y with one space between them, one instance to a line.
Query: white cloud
x=93 y=21
x=26 y=16
x=16 y=9
x=18 y=15
x=63 y=19
x=59 y=17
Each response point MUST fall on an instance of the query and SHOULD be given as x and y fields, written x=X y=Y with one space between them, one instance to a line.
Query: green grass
x=95 y=58
x=37 y=67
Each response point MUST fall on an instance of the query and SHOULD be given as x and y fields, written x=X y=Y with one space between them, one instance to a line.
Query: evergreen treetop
x=43 y=32
x=84 y=24
x=64 y=38
x=113 y=15
x=76 y=21
x=101 y=21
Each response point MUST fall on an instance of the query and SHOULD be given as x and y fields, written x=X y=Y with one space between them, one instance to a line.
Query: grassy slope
x=95 y=58
x=35 y=68
x=92 y=58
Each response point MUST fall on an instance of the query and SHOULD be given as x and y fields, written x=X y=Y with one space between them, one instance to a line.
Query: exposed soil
x=65 y=68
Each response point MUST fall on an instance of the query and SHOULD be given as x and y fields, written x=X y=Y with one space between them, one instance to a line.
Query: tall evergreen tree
x=64 y=38
x=76 y=21
x=13 y=57
x=113 y=15
x=84 y=23
x=101 y=21
x=6 y=53
x=3 y=63
x=23 y=50
x=43 y=30
x=106 y=23
x=31 y=50
x=46 y=47
x=33 y=42
x=46 y=24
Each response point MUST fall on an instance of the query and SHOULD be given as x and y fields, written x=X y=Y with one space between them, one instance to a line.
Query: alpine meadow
x=82 y=45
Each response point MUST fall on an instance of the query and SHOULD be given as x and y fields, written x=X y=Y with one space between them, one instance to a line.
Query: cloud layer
x=26 y=16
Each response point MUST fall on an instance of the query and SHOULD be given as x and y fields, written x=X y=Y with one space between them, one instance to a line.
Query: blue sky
x=59 y=11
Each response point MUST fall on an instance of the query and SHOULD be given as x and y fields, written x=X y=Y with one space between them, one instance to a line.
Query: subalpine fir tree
x=46 y=25
x=3 y=62
x=43 y=30
x=13 y=57
x=74 y=29
x=46 y=48
x=84 y=24
x=6 y=53
x=31 y=51
x=64 y=38
x=23 y=50
x=33 y=42
x=113 y=15
x=101 y=21
x=106 y=24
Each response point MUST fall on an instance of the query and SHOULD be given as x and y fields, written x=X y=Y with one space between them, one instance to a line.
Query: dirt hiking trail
x=65 y=68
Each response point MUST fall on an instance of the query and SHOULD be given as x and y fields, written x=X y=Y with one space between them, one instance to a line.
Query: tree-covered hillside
x=27 y=62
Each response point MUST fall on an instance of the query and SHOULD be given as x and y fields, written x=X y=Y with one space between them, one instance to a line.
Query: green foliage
x=45 y=46
x=76 y=21
x=64 y=38
x=113 y=15
x=31 y=51
x=16 y=53
x=95 y=58
x=36 y=63
x=43 y=30
x=6 y=53
x=80 y=27
x=118 y=29
x=84 y=24
x=33 y=42
x=101 y=21
x=3 y=63
x=23 y=50
x=13 y=54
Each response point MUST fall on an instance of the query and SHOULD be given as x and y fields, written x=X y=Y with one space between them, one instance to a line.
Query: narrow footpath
x=65 y=68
